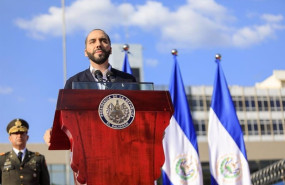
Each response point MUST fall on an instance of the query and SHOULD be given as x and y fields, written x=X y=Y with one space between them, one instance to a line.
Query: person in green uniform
x=21 y=166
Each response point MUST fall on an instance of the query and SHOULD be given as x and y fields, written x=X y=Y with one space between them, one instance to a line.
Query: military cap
x=17 y=125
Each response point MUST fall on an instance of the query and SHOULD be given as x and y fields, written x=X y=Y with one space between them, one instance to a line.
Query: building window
x=200 y=127
x=250 y=103
x=265 y=127
x=252 y=127
x=277 y=127
x=242 y=124
x=196 y=103
x=262 y=103
x=208 y=102
x=237 y=100
x=275 y=103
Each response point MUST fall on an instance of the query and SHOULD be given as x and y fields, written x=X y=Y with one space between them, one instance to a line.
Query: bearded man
x=97 y=49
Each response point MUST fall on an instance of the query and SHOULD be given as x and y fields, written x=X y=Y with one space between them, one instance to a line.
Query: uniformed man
x=21 y=166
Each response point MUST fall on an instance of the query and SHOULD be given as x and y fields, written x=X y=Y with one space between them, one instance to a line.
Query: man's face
x=98 y=47
x=19 y=140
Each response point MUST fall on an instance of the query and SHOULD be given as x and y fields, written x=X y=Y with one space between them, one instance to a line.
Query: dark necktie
x=20 y=154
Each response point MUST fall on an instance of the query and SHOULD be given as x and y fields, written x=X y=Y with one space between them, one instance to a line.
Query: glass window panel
x=201 y=103
x=265 y=105
x=262 y=127
x=208 y=101
x=271 y=103
x=196 y=103
x=275 y=127
x=240 y=105
x=255 y=127
x=252 y=103
x=280 y=126
x=260 y=107
x=242 y=124
x=196 y=127
x=268 y=128
x=247 y=103
x=204 y=127
x=249 y=127
x=243 y=129
x=278 y=103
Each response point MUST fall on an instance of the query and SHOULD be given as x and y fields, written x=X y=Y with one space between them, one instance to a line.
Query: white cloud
x=80 y=15
x=195 y=24
x=152 y=14
x=248 y=36
x=272 y=18
x=5 y=90
x=151 y=62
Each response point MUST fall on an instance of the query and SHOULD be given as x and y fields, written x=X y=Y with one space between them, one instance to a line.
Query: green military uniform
x=31 y=171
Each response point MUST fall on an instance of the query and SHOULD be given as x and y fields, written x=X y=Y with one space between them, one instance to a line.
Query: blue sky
x=250 y=35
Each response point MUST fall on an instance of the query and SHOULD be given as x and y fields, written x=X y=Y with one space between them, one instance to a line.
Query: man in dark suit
x=97 y=49
x=21 y=166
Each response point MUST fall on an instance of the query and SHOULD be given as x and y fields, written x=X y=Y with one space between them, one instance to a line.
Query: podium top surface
x=89 y=99
x=114 y=85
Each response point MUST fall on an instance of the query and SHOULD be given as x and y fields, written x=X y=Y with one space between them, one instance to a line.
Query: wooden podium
x=102 y=155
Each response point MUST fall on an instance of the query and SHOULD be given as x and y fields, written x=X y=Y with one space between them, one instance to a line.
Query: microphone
x=110 y=76
x=98 y=75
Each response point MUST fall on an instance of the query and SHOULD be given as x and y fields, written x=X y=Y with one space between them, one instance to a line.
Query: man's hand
x=47 y=136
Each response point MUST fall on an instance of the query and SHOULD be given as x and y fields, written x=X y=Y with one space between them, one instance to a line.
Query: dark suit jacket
x=86 y=76
x=32 y=170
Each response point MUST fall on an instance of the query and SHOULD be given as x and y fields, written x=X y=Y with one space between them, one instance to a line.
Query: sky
x=249 y=34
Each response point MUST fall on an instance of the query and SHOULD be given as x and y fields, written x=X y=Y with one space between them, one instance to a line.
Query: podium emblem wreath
x=116 y=111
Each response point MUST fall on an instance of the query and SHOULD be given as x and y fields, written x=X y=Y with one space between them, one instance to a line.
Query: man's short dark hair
x=109 y=40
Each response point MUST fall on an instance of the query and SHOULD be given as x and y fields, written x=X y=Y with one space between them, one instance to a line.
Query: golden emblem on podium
x=116 y=111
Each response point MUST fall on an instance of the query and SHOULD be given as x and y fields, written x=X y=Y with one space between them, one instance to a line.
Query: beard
x=102 y=57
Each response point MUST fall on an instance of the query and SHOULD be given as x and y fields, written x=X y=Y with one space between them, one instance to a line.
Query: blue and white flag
x=182 y=164
x=228 y=160
x=126 y=66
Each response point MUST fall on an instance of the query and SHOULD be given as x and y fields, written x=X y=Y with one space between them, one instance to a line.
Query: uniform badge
x=116 y=111
x=18 y=123
x=7 y=165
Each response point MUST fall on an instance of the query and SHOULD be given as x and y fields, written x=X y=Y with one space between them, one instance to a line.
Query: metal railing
x=269 y=175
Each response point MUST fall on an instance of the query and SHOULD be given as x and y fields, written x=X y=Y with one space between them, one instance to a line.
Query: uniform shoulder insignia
x=37 y=153
x=2 y=154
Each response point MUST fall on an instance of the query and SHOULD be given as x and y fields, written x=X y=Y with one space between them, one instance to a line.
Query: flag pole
x=63 y=41
x=67 y=168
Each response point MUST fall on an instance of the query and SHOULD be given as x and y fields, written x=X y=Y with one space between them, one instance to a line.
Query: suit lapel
x=27 y=156
x=88 y=75
x=14 y=157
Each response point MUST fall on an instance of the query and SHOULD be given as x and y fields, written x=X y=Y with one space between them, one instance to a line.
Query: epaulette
x=37 y=154
x=2 y=154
